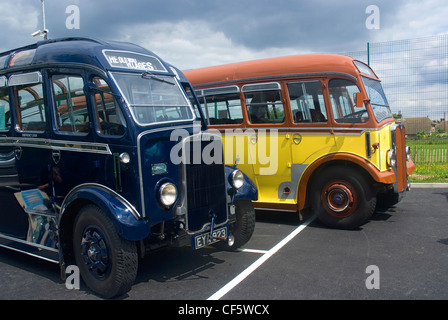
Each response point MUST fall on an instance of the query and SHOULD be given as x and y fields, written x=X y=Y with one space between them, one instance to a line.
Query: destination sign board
x=133 y=61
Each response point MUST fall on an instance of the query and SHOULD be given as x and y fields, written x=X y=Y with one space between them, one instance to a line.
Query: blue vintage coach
x=104 y=156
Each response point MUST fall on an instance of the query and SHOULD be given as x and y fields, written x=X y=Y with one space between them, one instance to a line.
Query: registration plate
x=204 y=239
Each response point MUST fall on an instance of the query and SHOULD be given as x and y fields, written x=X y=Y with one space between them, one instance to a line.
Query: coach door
x=85 y=125
x=32 y=158
x=311 y=128
x=13 y=220
x=268 y=145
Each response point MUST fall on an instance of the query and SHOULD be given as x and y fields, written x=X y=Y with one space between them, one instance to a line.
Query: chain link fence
x=414 y=74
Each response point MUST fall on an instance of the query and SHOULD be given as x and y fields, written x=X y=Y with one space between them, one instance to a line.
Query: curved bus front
x=100 y=148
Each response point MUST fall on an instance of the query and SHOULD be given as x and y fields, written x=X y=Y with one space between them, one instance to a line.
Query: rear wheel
x=343 y=198
x=107 y=262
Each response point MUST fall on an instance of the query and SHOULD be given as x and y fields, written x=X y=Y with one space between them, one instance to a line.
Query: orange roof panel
x=271 y=67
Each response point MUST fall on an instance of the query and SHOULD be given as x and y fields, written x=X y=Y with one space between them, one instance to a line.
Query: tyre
x=343 y=198
x=243 y=228
x=107 y=263
x=388 y=199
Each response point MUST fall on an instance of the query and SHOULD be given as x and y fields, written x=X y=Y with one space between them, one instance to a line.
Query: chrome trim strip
x=28 y=243
x=278 y=77
x=9 y=176
x=51 y=144
x=301 y=130
x=29 y=253
x=248 y=131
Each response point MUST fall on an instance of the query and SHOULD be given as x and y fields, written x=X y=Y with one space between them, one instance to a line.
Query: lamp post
x=44 y=32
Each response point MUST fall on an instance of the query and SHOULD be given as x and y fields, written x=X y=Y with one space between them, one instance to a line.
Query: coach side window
x=5 y=115
x=109 y=118
x=307 y=102
x=264 y=103
x=29 y=102
x=71 y=105
x=222 y=105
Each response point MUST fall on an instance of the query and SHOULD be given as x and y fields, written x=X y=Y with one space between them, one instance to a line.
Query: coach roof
x=273 y=68
x=67 y=50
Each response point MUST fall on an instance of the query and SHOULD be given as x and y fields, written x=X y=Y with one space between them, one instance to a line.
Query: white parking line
x=243 y=275
x=253 y=250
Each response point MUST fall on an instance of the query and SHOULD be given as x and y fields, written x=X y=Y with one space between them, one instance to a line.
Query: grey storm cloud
x=321 y=25
x=192 y=33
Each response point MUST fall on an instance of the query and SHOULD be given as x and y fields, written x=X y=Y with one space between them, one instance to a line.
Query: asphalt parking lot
x=402 y=253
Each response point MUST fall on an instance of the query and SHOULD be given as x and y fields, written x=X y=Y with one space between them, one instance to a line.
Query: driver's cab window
x=109 y=118
x=342 y=93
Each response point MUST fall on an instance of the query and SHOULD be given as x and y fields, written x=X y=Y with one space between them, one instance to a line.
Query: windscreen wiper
x=149 y=75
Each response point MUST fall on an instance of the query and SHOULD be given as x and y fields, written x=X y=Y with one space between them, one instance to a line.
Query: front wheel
x=107 y=263
x=244 y=226
x=343 y=198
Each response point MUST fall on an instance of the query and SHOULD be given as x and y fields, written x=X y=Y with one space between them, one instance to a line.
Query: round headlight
x=168 y=194
x=125 y=157
x=390 y=158
x=408 y=153
x=237 y=179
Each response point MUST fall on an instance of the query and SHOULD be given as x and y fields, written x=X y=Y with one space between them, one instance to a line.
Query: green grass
x=434 y=172
x=428 y=169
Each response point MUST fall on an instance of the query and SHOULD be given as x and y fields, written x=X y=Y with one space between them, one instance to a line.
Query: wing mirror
x=359 y=100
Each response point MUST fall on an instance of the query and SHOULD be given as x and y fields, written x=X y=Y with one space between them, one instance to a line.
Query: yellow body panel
x=276 y=161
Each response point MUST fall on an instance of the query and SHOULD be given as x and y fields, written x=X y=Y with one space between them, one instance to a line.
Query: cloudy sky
x=197 y=33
